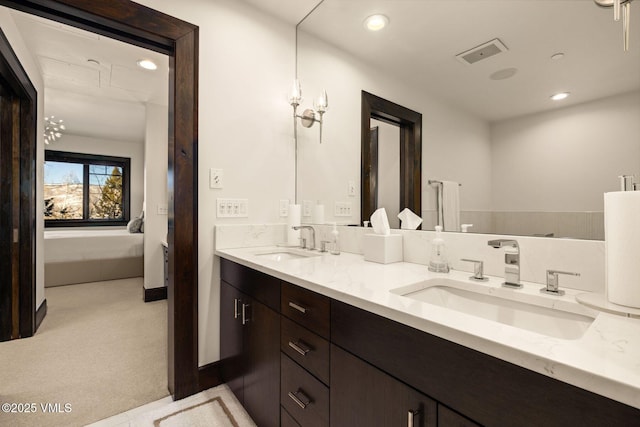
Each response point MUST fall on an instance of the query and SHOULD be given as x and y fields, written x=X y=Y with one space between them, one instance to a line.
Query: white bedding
x=91 y=244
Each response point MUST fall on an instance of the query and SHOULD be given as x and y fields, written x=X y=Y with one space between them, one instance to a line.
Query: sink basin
x=481 y=301
x=286 y=254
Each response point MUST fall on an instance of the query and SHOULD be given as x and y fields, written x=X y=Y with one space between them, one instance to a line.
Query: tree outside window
x=81 y=189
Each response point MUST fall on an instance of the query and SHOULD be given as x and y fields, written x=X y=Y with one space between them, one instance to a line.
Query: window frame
x=86 y=160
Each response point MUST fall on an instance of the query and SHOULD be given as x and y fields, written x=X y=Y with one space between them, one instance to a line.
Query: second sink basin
x=529 y=315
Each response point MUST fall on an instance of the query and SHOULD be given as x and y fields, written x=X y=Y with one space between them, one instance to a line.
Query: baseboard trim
x=154 y=294
x=209 y=376
x=41 y=312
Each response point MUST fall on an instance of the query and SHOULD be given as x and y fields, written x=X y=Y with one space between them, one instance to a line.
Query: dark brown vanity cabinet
x=301 y=359
x=304 y=342
x=362 y=395
x=250 y=340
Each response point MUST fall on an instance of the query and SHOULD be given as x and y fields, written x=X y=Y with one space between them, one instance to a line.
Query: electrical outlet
x=306 y=208
x=215 y=178
x=351 y=188
x=232 y=208
x=284 y=207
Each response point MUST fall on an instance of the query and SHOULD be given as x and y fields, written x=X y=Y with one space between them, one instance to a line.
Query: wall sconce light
x=309 y=116
x=618 y=5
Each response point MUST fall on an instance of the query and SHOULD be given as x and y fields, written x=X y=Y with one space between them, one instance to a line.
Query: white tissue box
x=382 y=249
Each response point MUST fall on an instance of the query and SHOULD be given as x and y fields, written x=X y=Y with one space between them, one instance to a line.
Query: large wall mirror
x=526 y=164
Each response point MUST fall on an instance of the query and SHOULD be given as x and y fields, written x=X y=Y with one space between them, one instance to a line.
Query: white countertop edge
x=575 y=362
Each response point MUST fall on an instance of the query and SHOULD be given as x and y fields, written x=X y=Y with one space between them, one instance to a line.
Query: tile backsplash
x=537 y=254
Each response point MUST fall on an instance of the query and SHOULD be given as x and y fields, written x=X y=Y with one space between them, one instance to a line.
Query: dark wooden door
x=262 y=375
x=362 y=395
x=231 y=338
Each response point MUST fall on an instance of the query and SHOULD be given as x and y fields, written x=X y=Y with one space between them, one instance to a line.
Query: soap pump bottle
x=438 y=261
x=335 y=243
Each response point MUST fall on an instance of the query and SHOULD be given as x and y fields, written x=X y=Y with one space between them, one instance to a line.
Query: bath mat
x=216 y=407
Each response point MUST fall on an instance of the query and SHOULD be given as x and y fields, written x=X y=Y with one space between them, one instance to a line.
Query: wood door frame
x=139 y=25
x=23 y=128
x=410 y=123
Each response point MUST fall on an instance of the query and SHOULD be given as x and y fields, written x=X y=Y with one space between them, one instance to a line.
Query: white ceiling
x=423 y=37
x=104 y=99
x=290 y=11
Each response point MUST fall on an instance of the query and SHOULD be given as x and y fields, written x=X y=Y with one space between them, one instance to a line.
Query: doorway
x=17 y=197
x=139 y=25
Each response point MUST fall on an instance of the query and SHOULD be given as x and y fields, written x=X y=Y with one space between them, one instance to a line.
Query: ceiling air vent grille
x=484 y=51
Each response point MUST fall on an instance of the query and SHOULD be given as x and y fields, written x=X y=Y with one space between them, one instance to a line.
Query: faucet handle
x=553 y=282
x=478 y=270
x=323 y=245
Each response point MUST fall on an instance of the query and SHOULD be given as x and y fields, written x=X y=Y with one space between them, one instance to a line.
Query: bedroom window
x=85 y=189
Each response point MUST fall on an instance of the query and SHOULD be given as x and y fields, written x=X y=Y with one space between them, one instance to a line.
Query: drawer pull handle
x=300 y=398
x=410 y=416
x=245 y=317
x=297 y=307
x=236 y=312
x=300 y=347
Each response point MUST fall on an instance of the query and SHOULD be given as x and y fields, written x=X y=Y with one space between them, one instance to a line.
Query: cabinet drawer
x=311 y=351
x=302 y=395
x=307 y=308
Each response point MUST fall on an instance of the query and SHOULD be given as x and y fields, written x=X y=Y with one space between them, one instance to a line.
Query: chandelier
x=52 y=129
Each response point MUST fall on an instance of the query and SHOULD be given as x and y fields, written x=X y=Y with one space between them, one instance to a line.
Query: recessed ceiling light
x=376 y=22
x=147 y=64
x=93 y=61
x=558 y=55
x=559 y=96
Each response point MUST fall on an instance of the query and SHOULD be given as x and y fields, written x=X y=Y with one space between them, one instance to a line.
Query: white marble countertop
x=605 y=360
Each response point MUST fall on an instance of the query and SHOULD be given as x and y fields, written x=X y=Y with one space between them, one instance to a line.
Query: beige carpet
x=216 y=407
x=99 y=351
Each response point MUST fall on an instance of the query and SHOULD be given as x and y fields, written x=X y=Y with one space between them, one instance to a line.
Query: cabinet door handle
x=245 y=317
x=300 y=347
x=410 y=416
x=297 y=307
x=300 y=398
x=236 y=312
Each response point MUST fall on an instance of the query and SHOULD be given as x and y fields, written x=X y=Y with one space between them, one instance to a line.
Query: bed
x=91 y=255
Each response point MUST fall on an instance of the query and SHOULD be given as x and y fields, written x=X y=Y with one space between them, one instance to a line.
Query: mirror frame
x=410 y=124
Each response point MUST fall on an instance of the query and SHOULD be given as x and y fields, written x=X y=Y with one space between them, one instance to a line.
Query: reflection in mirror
x=528 y=165
x=385 y=141
x=381 y=187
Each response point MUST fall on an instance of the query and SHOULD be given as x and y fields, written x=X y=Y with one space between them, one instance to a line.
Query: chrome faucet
x=553 y=281
x=512 y=261
x=312 y=243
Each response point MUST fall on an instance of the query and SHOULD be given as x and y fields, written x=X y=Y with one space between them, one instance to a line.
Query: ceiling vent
x=484 y=51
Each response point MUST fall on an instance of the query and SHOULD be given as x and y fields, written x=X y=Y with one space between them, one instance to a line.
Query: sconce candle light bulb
x=308 y=117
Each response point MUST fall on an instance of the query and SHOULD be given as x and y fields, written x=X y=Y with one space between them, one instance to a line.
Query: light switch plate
x=351 y=188
x=215 y=178
x=283 y=208
x=306 y=207
x=232 y=208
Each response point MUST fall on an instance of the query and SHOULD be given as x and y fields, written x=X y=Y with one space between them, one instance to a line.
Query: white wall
x=30 y=66
x=325 y=169
x=246 y=66
x=566 y=159
x=134 y=150
x=155 y=193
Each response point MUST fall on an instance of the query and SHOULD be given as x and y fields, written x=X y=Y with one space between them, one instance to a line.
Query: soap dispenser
x=335 y=243
x=438 y=261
